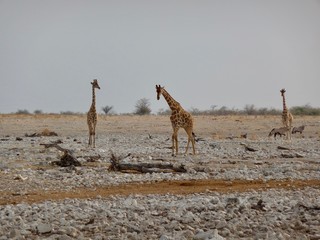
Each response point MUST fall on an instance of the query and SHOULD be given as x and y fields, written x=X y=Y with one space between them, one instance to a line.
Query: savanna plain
x=241 y=184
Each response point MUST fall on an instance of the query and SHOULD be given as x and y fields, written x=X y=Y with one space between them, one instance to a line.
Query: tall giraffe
x=286 y=115
x=179 y=118
x=92 y=115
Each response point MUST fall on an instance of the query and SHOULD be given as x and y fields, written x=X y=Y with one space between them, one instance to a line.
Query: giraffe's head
x=282 y=91
x=95 y=84
x=159 y=88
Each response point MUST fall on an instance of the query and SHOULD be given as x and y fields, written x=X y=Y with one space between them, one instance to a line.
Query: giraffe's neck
x=173 y=104
x=93 y=105
x=284 y=104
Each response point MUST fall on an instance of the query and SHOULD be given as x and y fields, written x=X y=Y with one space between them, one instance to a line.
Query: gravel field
x=233 y=188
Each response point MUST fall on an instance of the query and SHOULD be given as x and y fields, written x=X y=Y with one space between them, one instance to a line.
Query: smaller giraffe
x=286 y=115
x=179 y=119
x=92 y=115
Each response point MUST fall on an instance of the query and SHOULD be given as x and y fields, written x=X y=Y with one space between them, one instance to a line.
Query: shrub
x=22 y=111
x=305 y=110
x=68 y=113
x=38 y=112
x=143 y=107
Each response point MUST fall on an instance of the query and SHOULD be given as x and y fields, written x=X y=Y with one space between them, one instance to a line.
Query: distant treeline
x=249 y=109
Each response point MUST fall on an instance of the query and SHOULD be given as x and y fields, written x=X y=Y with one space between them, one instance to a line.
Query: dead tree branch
x=116 y=165
x=68 y=158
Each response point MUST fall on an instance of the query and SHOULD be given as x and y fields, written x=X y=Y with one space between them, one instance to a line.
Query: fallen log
x=291 y=155
x=45 y=133
x=250 y=149
x=92 y=158
x=68 y=159
x=283 y=148
x=247 y=148
x=116 y=165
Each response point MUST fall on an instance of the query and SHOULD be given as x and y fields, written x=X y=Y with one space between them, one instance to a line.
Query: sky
x=205 y=52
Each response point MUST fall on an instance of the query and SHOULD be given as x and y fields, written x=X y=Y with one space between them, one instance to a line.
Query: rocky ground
x=233 y=188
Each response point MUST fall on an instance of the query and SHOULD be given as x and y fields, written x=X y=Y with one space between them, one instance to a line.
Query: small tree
x=250 y=109
x=107 y=109
x=195 y=111
x=38 y=112
x=143 y=107
x=22 y=111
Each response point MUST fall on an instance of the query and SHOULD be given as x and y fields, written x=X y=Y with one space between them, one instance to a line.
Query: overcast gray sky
x=225 y=53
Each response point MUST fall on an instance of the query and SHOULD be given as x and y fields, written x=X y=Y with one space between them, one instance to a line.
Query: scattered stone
x=268 y=213
x=204 y=235
x=259 y=206
x=43 y=228
x=19 y=177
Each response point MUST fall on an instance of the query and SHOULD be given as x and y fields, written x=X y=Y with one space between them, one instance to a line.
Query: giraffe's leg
x=94 y=135
x=90 y=139
x=89 y=142
x=289 y=132
x=193 y=143
x=190 y=139
x=175 y=141
x=187 y=148
x=90 y=135
x=172 y=147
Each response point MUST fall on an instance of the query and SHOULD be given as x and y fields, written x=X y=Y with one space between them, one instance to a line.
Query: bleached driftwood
x=116 y=165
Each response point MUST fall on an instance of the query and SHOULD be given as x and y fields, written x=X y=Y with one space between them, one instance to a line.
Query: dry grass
x=217 y=127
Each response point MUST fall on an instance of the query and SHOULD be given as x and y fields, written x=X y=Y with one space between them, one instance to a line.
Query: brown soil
x=164 y=187
x=216 y=127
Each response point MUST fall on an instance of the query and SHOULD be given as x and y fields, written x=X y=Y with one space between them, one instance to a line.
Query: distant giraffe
x=286 y=115
x=179 y=118
x=92 y=115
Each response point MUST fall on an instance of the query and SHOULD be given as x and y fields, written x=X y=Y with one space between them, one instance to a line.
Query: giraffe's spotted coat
x=287 y=117
x=179 y=119
x=92 y=117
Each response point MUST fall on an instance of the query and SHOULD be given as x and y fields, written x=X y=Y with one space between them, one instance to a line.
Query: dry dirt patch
x=165 y=187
